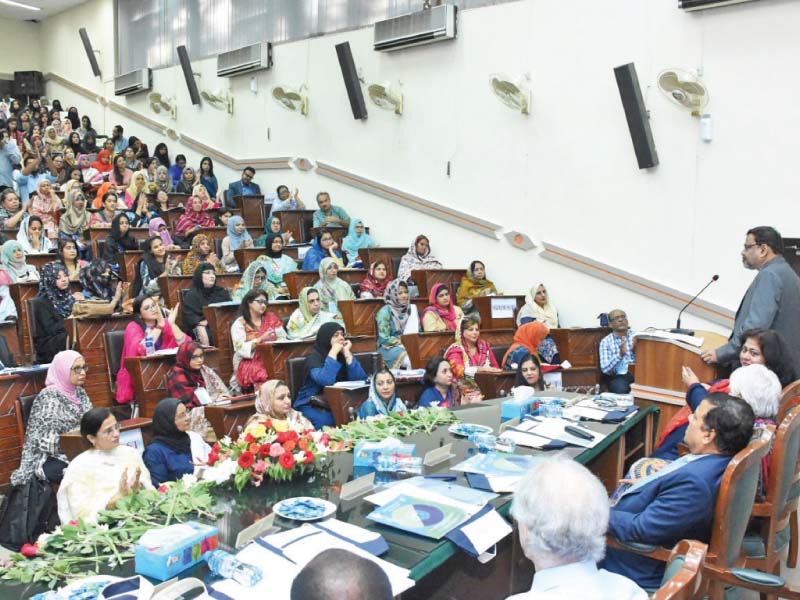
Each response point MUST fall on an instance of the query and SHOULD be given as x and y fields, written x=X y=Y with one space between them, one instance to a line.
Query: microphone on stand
x=688 y=304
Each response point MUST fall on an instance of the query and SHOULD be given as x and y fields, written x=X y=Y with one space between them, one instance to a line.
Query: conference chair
x=684 y=573
x=114 y=342
x=22 y=411
x=790 y=397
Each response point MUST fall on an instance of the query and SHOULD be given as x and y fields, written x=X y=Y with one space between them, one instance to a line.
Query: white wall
x=566 y=174
x=21 y=47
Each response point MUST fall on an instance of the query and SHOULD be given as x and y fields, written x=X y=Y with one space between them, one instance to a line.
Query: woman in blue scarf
x=382 y=396
x=323 y=246
x=238 y=237
x=356 y=238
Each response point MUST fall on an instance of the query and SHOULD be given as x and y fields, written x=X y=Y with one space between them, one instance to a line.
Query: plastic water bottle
x=224 y=564
x=149 y=346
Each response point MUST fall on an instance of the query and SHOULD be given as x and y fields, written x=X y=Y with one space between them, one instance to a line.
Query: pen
x=578 y=433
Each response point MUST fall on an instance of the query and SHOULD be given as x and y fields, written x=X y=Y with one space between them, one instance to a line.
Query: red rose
x=263 y=452
x=249 y=438
x=163 y=488
x=289 y=445
x=215 y=447
x=282 y=437
x=30 y=550
x=309 y=457
x=213 y=457
x=267 y=424
x=287 y=461
x=293 y=435
x=254 y=448
x=74 y=523
x=303 y=444
x=246 y=460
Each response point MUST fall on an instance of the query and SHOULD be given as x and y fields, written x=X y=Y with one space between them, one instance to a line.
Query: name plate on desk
x=358 y=487
x=434 y=457
x=503 y=308
x=255 y=530
x=132 y=438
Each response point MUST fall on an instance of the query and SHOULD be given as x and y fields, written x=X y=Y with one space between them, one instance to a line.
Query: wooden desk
x=484 y=306
x=495 y=385
x=427 y=278
x=73 y=443
x=275 y=354
x=11 y=388
x=218 y=233
x=40 y=260
x=386 y=254
x=579 y=345
x=244 y=256
x=220 y=318
x=93 y=234
x=227 y=418
x=338 y=233
x=149 y=375
x=297 y=280
x=359 y=315
x=299 y=222
x=20 y=292
x=253 y=209
x=422 y=347
x=341 y=400
x=89 y=336
x=131 y=258
x=171 y=285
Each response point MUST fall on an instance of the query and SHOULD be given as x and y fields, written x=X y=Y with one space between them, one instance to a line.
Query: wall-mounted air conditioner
x=245 y=60
x=690 y=5
x=140 y=80
x=432 y=25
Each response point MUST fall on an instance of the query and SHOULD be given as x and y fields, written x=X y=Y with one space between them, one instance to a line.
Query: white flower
x=189 y=479
x=226 y=440
x=221 y=472
x=300 y=456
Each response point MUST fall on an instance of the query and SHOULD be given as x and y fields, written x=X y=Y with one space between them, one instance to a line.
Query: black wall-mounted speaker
x=28 y=83
x=351 y=81
x=636 y=114
x=188 y=74
x=87 y=45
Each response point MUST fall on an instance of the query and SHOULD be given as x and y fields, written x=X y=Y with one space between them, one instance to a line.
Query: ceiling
x=49 y=8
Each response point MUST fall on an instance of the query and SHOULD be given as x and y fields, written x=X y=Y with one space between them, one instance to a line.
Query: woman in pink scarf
x=442 y=314
x=45 y=206
x=158 y=226
x=193 y=218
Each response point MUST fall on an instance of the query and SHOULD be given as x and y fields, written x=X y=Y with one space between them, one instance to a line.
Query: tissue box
x=516 y=408
x=368 y=454
x=171 y=550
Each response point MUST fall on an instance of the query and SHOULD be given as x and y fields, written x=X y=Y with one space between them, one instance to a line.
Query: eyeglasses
x=81 y=369
x=618 y=318
x=108 y=431
x=748 y=246
x=260 y=301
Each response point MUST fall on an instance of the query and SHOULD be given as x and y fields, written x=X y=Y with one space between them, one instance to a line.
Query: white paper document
x=540 y=432
x=351 y=385
x=486 y=531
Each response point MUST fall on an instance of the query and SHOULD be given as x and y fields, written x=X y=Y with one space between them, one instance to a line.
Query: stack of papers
x=588 y=409
x=351 y=385
x=540 y=432
x=496 y=471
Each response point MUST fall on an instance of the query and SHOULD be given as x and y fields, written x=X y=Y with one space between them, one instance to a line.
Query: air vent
x=140 y=80
x=690 y=5
x=245 y=60
x=424 y=27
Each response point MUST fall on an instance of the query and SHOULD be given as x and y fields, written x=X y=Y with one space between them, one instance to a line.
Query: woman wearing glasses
x=254 y=326
x=58 y=408
x=174 y=451
x=98 y=478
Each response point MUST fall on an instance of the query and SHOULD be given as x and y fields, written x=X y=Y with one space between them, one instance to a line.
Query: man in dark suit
x=244 y=187
x=678 y=501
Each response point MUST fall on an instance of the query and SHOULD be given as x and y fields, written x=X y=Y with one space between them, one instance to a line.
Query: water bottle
x=224 y=564
x=149 y=346
x=351 y=413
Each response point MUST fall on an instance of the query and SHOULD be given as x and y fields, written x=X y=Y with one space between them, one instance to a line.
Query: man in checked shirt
x=617 y=351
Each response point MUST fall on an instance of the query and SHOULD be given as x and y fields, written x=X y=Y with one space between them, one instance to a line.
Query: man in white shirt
x=562 y=513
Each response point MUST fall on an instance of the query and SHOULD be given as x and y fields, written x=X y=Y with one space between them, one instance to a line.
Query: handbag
x=27 y=511
x=92 y=308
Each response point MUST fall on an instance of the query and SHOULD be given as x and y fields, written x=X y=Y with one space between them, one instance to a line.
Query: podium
x=657 y=377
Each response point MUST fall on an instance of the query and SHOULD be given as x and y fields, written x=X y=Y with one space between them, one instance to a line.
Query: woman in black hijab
x=174 y=450
x=119 y=240
x=204 y=291
x=330 y=361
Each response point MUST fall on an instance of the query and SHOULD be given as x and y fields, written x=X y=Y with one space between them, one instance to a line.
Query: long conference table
x=440 y=569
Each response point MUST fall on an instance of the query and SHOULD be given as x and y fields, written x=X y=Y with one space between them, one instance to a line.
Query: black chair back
x=35 y=304
x=371 y=362
x=114 y=342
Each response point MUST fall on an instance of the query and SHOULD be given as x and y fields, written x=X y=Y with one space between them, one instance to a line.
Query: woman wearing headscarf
x=199 y=191
x=103 y=163
x=193 y=218
x=163 y=180
x=253 y=278
x=119 y=240
x=395 y=318
x=418 y=257
x=97 y=283
x=274 y=225
x=193 y=383
x=474 y=284
x=13 y=258
x=331 y=288
x=105 y=216
x=277 y=265
x=107 y=188
x=136 y=192
x=89 y=143
x=200 y=252
x=306 y=320
x=469 y=353
x=441 y=314
x=158 y=227
x=51 y=335
x=204 y=291
x=539 y=308
x=161 y=153
x=57 y=409
x=238 y=237
x=153 y=265
x=323 y=246
x=527 y=340
x=54 y=142
x=376 y=281
x=73 y=117
x=185 y=185
x=356 y=238
x=383 y=398
x=254 y=326
x=75 y=221
x=330 y=361
x=45 y=205
x=174 y=450
x=31 y=236
x=274 y=401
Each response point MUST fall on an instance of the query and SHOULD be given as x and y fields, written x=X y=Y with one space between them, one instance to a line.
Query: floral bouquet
x=271 y=448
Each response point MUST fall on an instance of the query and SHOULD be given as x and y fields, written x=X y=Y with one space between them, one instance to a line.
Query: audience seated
x=330 y=361
x=91 y=175
x=287 y=201
x=238 y=237
x=105 y=216
x=204 y=291
x=208 y=179
x=174 y=450
x=529 y=372
x=474 y=284
x=342 y=575
x=395 y=318
x=193 y=218
x=201 y=251
x=31 y=236
x=120 y=174
x=244 y=187
x=68 y=255
x=323 y=246
x=158 y=227
x=356 y=238
x=120 y=141
x=253 y=326
x=185 y=184
x=331 y=288
x=527 y=339
x=137 y=201
x=11 y=211
x=329 y=215
x=45 y=205
x=148 y=323
x=159 y=205
x=277 y=264
x=253 y=278
x=469 y=353
x=374 y=284
x=678 y=501
x=617 y=352
x=382 y=397
x=309 y=316
x=274 y=225
x=96 y=280
x=418 y=257
x=194 y=383
x=224 y=215
x=562 y=513
x=98 y=478
x=50 y=334
x=154 y=264
x=274 y=401
x=57 y=409
x=199 y=191
x=176 y=170
x=163 y=182
x=439 y=387
x=161 y=154
x=74 y=222
x=119 y=240
x=14 y=265
x=441 y=314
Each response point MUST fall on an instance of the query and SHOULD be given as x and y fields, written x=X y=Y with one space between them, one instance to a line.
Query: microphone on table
x=688 y=304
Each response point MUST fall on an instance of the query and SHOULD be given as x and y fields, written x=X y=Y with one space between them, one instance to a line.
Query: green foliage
x=396 y=425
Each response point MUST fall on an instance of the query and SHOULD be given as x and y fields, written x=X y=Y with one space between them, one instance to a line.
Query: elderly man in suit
x=678 y=501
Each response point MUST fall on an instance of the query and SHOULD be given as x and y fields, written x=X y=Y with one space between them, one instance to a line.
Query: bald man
x=341 y=575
